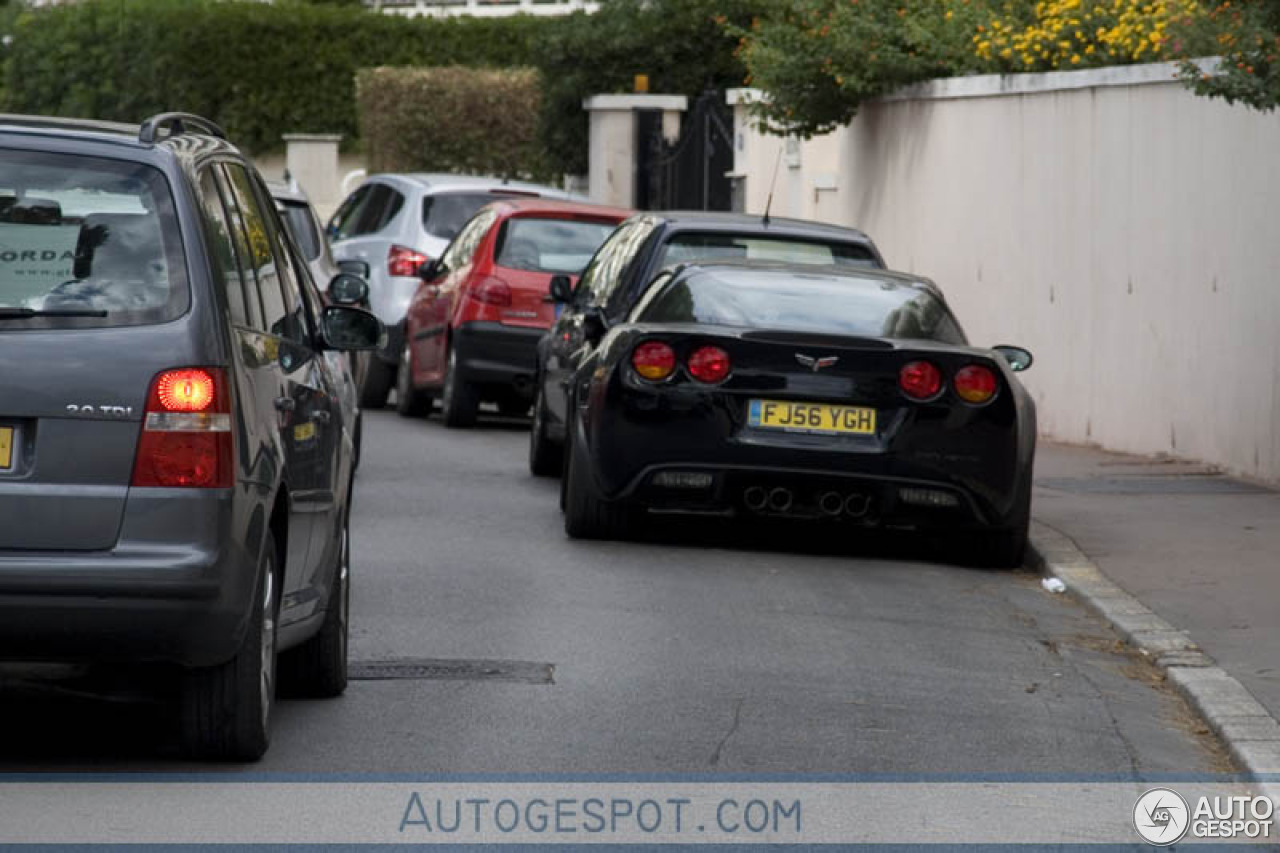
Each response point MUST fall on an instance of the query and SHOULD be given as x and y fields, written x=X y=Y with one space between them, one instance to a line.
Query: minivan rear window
x=87 y=242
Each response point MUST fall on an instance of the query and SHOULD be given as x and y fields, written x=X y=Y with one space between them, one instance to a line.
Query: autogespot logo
x=1161 y=817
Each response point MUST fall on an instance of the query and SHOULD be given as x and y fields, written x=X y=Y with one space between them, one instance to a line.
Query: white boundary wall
x=1122 y=228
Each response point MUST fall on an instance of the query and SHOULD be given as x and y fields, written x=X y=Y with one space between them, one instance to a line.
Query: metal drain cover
x=435 y=669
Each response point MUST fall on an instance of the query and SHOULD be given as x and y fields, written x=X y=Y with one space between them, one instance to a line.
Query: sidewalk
x=1200 y=549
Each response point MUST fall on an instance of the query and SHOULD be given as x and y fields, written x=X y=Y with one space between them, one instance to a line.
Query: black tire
x=377 y=384
x=226 y=709
x=586 y=514
x=357 y=442
x=410 y=402
x=1000 y=549
x=318 y=667
x=459 y=402
x=545 y=456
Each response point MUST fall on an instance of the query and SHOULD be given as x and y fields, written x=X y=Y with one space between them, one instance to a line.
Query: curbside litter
x=1250 y=733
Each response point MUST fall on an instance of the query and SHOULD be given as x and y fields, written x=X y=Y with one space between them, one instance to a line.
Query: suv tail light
x=492 y=291
x=709 y=364
x=975 y=384
x=920 y=380
x=653 y=360
x=402 y=261
x=186 y=433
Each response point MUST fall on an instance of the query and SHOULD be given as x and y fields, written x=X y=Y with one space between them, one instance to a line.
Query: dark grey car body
x=95 y=569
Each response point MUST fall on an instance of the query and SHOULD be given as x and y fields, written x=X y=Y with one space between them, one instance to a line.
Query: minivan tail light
x=975 y=384
x=709 y=364
x=402 y=261
x=920 y=380
x=492 y=291
x=186 y=432
x=653 y=360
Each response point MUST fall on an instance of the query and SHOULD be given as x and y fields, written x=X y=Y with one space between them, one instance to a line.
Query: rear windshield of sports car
x=688 y=247
x=549 y=245
x=799 y=301
x=87 y=242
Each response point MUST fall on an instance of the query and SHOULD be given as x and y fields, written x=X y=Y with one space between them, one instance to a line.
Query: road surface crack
x=733 y=727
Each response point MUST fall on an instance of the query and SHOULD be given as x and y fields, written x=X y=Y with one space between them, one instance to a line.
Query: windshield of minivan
x=798 y=301
x=711 y=246
x=86 y=241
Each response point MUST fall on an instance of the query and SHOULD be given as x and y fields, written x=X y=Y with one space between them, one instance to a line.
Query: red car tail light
x=492 y=291
x=402 y=261
x=975 y=384
x=920 y=380
x=186 y=432
x=709 y=364
x=653 y=360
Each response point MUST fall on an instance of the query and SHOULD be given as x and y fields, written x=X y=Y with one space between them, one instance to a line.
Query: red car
x=473 y=326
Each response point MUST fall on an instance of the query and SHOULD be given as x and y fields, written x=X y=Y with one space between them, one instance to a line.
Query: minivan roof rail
x=176 y=123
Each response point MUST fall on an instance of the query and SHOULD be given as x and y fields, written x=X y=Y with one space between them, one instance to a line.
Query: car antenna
x=773 y=183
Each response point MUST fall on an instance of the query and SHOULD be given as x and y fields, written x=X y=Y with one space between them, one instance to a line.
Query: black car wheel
x=318 y=667
x=410 y=403
x=377 y=384
x=226 y=709
x=586 y=514
x=459 y=401
x=545 y=456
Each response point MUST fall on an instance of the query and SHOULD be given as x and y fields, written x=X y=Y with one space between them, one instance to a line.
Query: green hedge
x=454 y=119
x=264 y=69
x=259 y=69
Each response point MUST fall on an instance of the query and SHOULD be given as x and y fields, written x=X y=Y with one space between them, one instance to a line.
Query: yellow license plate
x=812 y=417
x=6 y=448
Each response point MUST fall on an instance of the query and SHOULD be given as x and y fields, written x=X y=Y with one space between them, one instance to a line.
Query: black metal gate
x=693 y=172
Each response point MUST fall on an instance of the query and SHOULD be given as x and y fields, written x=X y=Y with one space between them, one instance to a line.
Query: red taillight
x=186 y=432
x=492 y=291
x=975 y=384
x=920 y=380
x=402 y=261
x=653 y=360
x=709 y=364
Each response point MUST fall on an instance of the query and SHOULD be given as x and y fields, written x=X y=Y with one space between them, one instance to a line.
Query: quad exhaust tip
x=831 y=503
x=856 y=506
x=756 y=498
x=780 y=500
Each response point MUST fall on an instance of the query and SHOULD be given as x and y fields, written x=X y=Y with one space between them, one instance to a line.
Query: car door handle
x=286 y=404
x=321 y=417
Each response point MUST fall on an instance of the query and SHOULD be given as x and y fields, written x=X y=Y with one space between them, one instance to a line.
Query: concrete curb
x=1250 y=733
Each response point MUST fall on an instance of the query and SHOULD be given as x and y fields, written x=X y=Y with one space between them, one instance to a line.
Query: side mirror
x=345 y=328
x=355 y=266
x=348 y=289
x=594 y=325
x=430 y=270
x=561 y=289
x=1019 y=359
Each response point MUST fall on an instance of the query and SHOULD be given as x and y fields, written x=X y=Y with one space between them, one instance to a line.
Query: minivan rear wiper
x=11 y=313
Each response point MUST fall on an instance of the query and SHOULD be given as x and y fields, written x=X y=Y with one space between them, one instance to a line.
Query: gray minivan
x=175 y=464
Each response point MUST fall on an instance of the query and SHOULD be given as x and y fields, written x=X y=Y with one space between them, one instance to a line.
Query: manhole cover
x=433 y=669
x=1174 y=485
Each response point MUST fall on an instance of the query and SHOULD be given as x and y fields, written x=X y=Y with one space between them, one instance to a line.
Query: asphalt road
x=709 y=652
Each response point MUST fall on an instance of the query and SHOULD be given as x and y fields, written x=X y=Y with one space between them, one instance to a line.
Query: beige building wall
x=1120 y=227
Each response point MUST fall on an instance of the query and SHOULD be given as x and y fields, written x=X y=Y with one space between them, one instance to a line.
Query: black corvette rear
x=871 y=430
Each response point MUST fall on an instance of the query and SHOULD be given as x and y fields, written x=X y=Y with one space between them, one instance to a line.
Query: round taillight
x=709 y=364
x=185 y=390
x=920 y=380
x=975 y=384
x=653 y=360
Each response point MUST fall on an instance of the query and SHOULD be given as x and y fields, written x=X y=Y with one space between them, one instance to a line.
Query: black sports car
x=824 y=393
x=637 y=251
